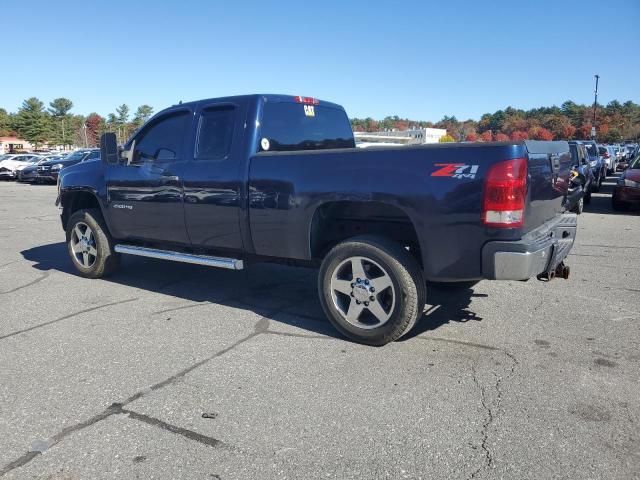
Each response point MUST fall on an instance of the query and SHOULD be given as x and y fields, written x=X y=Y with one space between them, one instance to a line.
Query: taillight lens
x=505 y=191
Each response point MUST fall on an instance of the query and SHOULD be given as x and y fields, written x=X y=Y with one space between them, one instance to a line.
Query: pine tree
x=32 y=123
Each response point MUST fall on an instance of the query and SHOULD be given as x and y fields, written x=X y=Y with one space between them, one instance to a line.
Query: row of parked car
x=41 y=168
x=592 y=164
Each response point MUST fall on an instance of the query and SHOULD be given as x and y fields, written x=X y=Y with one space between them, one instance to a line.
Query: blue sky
x=421 y=60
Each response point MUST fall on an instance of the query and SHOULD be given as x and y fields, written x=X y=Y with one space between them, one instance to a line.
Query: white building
x=14 y=145
x=404 y=137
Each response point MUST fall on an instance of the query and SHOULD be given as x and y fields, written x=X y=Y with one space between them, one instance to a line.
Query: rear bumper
x=626 y=194
x=539 y=251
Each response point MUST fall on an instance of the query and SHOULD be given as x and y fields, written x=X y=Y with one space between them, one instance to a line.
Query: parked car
x=626 y=157
x=598 y=165
x=225 y=182
x=626 y=193
x=630 y=148
x=48 y=171
x=10 y=165
x=28 y=173
x=581 y=180
x=608 y=154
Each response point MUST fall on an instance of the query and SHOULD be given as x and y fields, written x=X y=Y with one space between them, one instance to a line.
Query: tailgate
x=549 y=169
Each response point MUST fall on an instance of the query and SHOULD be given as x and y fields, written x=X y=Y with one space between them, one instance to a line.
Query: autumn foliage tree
x=486 y=136
x=519 y=135
x=94 y=124
x=615 y=122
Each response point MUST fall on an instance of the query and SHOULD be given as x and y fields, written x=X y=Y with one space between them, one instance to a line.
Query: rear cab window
x=289 y=126
x=215 y=133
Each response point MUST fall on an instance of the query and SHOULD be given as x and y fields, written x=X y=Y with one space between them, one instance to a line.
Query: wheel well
x=337 y=221
x=74 y=201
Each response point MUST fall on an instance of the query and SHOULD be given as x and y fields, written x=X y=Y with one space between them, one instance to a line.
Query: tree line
x=56 y=125
x=615 y=122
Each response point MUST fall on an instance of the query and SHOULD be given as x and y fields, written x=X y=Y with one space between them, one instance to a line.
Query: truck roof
x=269 y=97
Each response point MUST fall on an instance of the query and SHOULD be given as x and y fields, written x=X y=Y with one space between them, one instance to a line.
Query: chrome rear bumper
x=538 y=252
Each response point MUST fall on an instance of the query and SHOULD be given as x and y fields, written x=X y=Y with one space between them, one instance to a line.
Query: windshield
x=635 y=163
x=75 y=156
x=591 y=150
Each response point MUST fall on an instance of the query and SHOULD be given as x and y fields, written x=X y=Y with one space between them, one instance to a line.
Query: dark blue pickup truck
x=230 y=181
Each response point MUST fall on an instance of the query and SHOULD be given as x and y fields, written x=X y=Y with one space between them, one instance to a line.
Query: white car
x=608 y=154
x=9 y=164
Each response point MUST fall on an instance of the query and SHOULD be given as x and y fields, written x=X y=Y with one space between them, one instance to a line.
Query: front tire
x=89 y=244
x=371 y=289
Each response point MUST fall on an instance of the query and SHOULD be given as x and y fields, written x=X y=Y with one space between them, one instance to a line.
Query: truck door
x=214 y=177
x=145 y=197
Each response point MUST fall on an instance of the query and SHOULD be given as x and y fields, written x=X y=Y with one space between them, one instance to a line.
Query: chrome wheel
x=362 y=292
x=83 y=245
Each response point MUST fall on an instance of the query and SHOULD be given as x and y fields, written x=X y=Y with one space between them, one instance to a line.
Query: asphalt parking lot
x=178 y=371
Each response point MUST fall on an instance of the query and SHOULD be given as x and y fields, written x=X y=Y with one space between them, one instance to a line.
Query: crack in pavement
x=190 y=434
x=462 y=342
x=492 y=409
x=66 y=317
x=485 y=426
x=9 y=263
x=43 y=275
x=38 y=447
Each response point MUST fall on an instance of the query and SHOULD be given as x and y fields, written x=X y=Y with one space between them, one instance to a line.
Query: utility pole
x=595 y=106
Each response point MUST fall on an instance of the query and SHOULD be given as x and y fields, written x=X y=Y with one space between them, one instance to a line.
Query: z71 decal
x=455 y=170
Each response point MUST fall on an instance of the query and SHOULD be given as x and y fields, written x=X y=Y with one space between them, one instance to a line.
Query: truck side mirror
x=109 y=148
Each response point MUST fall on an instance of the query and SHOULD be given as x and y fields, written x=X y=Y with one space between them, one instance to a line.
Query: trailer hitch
x=561 y=271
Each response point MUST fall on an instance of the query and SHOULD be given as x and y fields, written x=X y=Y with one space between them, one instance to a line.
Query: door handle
x=171 y=178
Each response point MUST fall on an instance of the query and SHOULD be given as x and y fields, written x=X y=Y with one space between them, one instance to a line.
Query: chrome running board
x=220 y=262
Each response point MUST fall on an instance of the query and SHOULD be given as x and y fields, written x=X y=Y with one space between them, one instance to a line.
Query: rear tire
x=579 y=207
x=387 y=301
x=618 y=205
x=89 y=244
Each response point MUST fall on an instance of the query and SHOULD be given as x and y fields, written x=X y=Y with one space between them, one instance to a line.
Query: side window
x=163 y=139
x=215 y=133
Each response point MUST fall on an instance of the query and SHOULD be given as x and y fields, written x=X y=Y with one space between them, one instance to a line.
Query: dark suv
x=584 y=180
x=48 y=171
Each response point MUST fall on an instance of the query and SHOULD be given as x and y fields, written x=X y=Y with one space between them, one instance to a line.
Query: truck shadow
x=283 y=294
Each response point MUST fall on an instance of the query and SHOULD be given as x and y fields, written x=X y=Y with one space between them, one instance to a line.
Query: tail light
x=605 y=155
x=505 y=192
x=307 y=100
